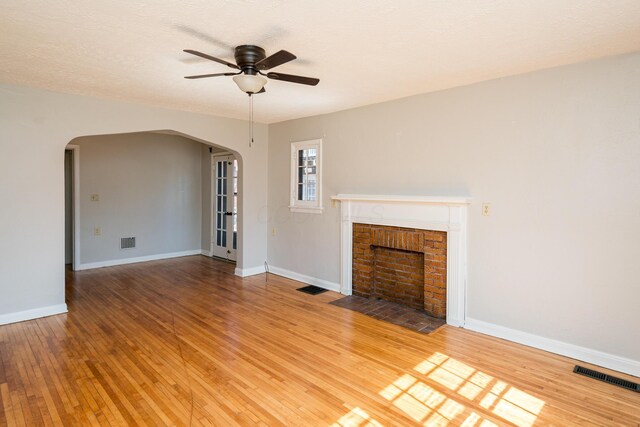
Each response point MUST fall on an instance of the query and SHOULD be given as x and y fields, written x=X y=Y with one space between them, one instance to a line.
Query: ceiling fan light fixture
x=250 y=83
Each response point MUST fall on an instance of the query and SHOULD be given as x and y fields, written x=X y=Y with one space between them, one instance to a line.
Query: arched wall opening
x=143 y=196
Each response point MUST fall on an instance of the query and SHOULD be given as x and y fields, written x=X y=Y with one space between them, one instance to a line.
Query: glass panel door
x=225 y=207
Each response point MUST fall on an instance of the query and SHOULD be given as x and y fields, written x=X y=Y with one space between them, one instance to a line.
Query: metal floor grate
x=312 y=290
x=629 y=385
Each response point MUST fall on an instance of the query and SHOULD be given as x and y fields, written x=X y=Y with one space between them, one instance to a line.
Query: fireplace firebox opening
x=402 y=265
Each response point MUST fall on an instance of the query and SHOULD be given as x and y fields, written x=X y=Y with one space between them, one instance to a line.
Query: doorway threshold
x=230 y=261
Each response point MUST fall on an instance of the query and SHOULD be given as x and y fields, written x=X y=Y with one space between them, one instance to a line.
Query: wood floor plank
x=185 y=341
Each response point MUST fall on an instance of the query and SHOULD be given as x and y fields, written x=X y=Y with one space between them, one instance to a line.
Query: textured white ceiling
x=363 y=51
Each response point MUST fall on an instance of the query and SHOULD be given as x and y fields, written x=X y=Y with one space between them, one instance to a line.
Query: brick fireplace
x=416 y=231
x=402 y=265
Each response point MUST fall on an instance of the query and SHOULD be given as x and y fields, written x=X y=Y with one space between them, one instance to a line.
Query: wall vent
x=127 y=242
x=629 y=385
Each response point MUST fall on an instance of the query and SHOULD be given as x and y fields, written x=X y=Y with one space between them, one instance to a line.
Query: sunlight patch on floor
x=455 y=385
x=356 y=417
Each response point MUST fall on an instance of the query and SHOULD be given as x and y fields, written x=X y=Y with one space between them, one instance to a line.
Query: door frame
x=212 y=207
x=75 y=204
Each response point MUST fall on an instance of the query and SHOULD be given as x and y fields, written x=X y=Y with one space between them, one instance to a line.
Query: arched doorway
x=147 y=195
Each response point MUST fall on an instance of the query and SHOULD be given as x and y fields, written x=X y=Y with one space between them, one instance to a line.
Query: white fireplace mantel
x=424 y=212
x=404 y=199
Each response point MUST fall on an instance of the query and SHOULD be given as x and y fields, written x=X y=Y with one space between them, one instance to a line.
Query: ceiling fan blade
x=202 y=76
x=294 y=79
x=274 y=60
x=212 y=58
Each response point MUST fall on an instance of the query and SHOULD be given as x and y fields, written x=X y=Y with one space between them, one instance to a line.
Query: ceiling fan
x=251 y=61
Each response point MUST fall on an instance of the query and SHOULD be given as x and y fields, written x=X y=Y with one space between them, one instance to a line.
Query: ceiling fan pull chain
x=251 y=109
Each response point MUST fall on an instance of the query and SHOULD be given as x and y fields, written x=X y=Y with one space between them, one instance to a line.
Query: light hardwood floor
x=184 y=341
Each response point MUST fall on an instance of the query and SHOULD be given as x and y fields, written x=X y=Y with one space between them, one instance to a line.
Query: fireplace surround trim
x=423 y=212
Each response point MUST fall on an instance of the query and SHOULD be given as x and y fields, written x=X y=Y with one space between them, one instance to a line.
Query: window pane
x=235 y=240
x=218 y=238
x=235 y=178
x=235 y=213
x=305 y=172
x=224 y=239
x=311 y=191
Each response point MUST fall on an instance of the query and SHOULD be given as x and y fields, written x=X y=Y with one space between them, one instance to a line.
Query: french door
x=225 y=207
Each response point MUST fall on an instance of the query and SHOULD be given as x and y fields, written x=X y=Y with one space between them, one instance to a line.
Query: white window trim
x=296 y=205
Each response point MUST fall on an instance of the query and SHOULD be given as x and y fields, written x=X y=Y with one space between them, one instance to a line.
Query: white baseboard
x=595 y=357
x=206 y=253
x=112 y=262
x=325 y=284
x=246 y=272
x=21 y=316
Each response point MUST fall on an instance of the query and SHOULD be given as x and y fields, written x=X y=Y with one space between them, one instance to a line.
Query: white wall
x=556 y=153
x=35 y=126
x=68 y=207
x=149 y=187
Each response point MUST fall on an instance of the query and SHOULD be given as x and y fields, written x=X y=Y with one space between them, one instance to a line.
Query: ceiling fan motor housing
x=246 y=57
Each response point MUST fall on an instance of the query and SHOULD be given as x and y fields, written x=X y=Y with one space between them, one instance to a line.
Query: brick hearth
x=403 y=265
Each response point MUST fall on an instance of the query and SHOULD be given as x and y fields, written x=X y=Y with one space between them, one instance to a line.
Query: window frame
x=306 y=206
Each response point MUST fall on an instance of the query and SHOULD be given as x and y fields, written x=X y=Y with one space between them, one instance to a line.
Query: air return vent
x=629 y=385
x=127 y=242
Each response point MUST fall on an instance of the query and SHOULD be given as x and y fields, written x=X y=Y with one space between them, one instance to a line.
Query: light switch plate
x=95 y=198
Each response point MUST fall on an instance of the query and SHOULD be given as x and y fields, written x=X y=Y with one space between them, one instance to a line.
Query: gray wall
x=149 y=187
x=556 y=152
x=205 y=236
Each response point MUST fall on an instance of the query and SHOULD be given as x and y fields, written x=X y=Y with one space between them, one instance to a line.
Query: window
x=306 y=170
